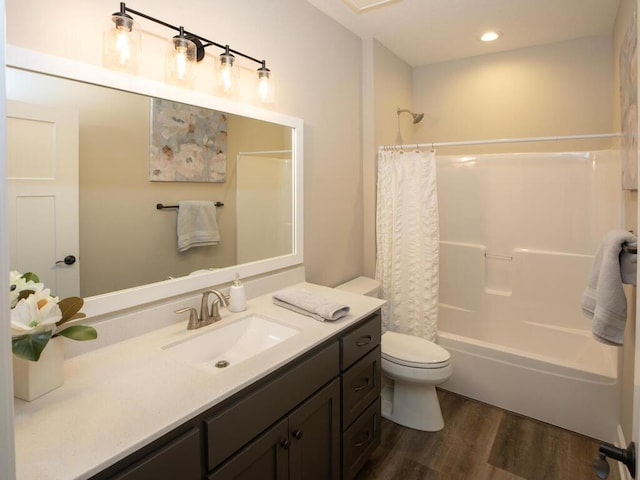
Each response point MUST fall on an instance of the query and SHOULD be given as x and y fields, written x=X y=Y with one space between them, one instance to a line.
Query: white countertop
x=118 y=398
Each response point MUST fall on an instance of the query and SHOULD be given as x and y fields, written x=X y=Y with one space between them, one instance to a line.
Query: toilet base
x=412 y=405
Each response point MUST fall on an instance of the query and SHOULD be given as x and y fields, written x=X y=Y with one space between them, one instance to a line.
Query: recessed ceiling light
x=490 y=36
x=362 y=5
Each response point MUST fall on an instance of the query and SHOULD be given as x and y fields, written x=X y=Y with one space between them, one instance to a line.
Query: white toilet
x=412 y=368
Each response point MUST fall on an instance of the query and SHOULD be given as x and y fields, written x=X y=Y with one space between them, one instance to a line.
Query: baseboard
x=622 y=469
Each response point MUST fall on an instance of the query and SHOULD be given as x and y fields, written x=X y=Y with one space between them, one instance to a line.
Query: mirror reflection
x=78 y=147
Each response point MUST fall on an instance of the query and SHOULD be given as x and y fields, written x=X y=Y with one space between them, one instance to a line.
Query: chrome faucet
x=207 y=316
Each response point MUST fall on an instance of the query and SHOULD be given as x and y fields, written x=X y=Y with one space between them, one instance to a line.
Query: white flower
x=18 y=284
x=37 y=313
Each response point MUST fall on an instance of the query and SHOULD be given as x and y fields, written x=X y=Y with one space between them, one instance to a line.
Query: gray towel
x=308 y=303
x=603 y=300
x=197 y=225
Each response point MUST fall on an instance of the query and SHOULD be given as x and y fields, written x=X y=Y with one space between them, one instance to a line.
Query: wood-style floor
x=482 y=442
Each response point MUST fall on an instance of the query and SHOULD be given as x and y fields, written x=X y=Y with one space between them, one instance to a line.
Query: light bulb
x=181 y=63
x=123 y=46
x=225 y=78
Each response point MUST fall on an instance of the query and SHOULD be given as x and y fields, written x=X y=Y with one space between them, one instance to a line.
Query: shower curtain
x=407 y=235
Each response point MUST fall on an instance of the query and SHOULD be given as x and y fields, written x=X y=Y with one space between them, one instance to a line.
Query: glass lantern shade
x=180 y=61
x=265 y=89
x=121 y=44
x=228 y=75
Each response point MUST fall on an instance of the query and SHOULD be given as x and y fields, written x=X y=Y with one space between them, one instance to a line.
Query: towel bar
x=160 y=206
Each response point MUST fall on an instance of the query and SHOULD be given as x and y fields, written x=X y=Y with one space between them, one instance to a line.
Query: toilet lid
x=413 y=351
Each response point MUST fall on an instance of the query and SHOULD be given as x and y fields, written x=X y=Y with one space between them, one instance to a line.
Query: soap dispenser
x=237 y=296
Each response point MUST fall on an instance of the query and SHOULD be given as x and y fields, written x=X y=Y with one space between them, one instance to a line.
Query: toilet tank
x=363 y=286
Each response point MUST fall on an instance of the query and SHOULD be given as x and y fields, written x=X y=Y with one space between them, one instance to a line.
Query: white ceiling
x=430 y=31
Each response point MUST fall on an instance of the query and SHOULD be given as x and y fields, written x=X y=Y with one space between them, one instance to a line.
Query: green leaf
x=30 y=347
x=79 y=332
x=70 y=308
x=31 y=276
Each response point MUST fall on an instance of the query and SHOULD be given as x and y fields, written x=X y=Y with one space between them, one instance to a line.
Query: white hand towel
x=310 y=304
x=197 y=224
x=603 y=300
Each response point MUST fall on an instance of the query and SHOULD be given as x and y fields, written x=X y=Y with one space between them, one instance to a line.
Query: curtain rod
x=502 y=140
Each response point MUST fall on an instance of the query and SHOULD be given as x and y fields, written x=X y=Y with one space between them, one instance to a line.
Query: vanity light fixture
x=121 y=51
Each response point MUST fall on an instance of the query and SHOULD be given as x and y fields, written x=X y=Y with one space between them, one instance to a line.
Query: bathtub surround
x=518 y=235
x=604 y=301
x=407 y=242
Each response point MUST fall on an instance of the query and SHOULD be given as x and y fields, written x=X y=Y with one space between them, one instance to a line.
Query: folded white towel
x=603 y=300
x=197 y=224
x=308 y=303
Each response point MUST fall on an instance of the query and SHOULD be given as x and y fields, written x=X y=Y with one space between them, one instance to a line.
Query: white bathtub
x=517 y=237
x=580 y=393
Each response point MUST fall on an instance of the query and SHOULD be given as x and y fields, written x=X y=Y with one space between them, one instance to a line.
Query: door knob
x=68 y=260
x=297 y=434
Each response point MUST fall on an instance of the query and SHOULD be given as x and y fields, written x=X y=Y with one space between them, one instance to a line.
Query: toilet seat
x=415 y=352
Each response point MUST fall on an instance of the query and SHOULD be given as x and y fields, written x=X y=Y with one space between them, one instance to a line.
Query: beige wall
x=391 y=81
x=626 y=14
x=315 y=62
x=556 y=89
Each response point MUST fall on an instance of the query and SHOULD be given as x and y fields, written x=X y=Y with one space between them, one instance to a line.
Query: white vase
x=33 y=379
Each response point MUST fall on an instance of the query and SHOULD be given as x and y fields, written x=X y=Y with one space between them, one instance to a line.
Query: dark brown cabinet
x=361 y=378
x=316 y=418
x=302 y=446
x=180 y=458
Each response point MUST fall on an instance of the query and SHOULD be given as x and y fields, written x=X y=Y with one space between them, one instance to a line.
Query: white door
x=42 y=168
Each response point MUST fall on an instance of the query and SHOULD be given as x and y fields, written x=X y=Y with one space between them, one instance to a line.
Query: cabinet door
x=314 y=433
x=178 y=459
x=266 y=458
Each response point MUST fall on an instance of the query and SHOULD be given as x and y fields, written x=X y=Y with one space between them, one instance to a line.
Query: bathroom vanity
x=306 y=408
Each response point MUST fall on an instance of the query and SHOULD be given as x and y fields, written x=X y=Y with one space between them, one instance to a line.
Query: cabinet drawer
x=178 y=459
x=360 y=440
x=360 y=386
x=249 y=416
x=360 y=341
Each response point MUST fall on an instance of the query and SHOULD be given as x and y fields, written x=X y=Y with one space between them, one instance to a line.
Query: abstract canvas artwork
x=188 y=143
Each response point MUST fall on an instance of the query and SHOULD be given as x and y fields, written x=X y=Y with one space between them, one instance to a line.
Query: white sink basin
x=222 y=346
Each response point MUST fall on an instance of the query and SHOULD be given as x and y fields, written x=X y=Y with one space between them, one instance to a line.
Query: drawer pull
x=285 y=444
x=359 y=388
x=364 y=442
x=364 y=340
x=297 y=434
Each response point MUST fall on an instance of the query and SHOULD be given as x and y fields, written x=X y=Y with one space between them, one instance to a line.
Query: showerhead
x=417 y=117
